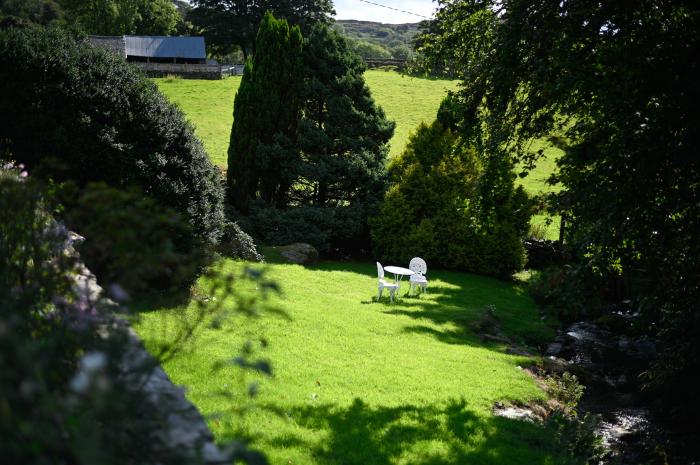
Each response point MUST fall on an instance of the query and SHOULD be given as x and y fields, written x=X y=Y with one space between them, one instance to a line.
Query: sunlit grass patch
x=361 y=382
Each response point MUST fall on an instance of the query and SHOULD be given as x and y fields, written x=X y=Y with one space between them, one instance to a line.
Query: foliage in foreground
x=452 y=206
x=133 y=241
x=71 y=390
x=619 y=81
x=73 y=112
x=59 y=377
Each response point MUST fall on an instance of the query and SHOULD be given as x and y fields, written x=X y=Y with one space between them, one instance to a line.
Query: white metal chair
x=418 y=279
x=393 y=287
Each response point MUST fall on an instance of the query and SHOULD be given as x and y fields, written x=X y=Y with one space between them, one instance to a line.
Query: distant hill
x=386 y=35
x=379 y=40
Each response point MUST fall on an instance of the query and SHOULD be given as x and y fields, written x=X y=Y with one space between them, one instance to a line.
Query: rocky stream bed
x=611 y=366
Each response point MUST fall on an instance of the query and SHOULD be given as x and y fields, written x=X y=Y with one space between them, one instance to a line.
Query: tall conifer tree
x=343 y=134
x=262 y=152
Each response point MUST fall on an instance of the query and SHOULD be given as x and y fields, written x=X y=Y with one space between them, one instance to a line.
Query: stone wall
x=383 y=63
x=185 y=428
x=189 y=71
x=115 y=44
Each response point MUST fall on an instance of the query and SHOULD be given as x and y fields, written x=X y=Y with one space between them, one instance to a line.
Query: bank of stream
x=611 y=363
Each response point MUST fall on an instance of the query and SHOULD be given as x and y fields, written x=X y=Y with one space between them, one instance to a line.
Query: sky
x=357 y=9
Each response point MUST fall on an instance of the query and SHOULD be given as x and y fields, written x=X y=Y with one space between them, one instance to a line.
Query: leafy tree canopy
x=32 y=11
x=117 y=17
x=229 y=24
x=102 y=17
x=616 y=82
x=367 y=49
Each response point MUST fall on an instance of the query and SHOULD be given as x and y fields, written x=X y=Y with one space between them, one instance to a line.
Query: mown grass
x=361 y=382
x=406 y=100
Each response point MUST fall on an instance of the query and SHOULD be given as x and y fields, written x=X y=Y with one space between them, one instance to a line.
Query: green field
x=358 y=382
x=209 y=105
x=535 y=184
x=406 y=100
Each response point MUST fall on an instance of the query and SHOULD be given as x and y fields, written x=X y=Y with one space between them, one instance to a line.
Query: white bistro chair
x=385 y=285
x=418 y=279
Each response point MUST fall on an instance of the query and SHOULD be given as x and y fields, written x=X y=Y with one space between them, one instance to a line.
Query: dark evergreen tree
x=343 y=134
x=262 y=152
x=70 y=111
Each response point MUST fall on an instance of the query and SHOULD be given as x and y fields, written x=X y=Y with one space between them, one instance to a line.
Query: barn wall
x=190 y=71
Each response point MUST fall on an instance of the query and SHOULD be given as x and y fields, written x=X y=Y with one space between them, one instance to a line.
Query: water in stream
x=609 y=365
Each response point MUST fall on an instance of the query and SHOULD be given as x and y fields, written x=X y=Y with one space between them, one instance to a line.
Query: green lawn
x=209 y=107
x=360 y=382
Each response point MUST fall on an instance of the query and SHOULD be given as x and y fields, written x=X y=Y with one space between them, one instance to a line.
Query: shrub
x=444 y=206
x=72 y=111
x=68 y=393
x=134 y=242
x=572 y=291
x=236 y=243
x=326 y=228
x=566 y=390
x=577 y=437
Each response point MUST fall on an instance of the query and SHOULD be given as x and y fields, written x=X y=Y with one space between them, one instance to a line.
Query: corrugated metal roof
x=165 y=47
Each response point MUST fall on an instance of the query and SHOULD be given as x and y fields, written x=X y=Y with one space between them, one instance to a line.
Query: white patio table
x=398 y=272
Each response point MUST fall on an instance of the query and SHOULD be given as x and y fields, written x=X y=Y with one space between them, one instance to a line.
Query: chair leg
x=391 y=294
x=379 y=297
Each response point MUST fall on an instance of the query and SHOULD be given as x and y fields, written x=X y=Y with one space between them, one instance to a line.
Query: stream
x=609 y=365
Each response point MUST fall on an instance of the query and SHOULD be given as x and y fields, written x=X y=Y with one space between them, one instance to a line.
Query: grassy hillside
x=387 y=36
x=406 y=100
x=358 y=382
x=209 y=105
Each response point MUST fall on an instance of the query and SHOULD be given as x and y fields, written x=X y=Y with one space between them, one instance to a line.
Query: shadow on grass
x=456 y=301
x=452 y=434
x=158 y=301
